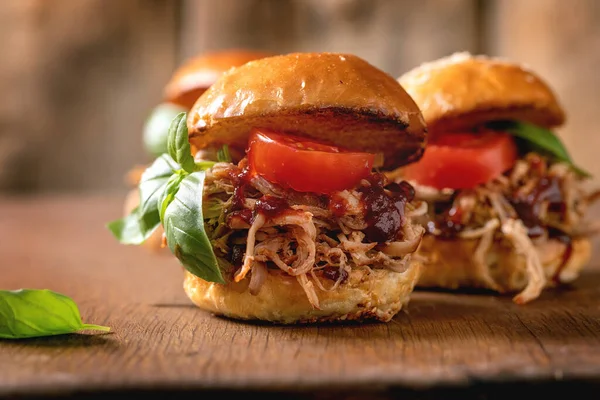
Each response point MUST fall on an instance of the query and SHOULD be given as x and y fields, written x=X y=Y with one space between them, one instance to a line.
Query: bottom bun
x=367 y=294
x=450 y=264
x=154 y=241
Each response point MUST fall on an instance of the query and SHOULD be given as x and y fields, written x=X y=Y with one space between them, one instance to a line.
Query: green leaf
x=212 y=208
x=184 y=228
x=154 y=181
x=204 y=165
x=178 y=143
x=156 y=128
x=27 y=313
x=169 y=193
x=136 y=227
x=539 y=139
x=131 y=229
x=223 y=154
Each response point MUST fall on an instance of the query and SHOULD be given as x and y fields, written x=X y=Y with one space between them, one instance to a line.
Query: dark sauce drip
x=448 y=220
x=270 y=206
x=562 y=237
x=528 y=208
x=335 y=273
x=240 y=179
x=384 y=210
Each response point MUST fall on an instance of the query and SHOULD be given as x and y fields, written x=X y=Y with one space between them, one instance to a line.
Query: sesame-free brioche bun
x=368 y=294
x=336 y=98
x=462 y=91
x=449 y=263
x=196 y=74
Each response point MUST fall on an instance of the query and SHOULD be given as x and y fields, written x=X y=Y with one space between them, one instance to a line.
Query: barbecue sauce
x=240 y=177
x=270 y=206
x=528 y=208
x=338 y=206
x=335 y=273
x=448 y=220
x=384 y=210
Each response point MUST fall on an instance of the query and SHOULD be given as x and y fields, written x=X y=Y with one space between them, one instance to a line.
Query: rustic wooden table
x=469 y=344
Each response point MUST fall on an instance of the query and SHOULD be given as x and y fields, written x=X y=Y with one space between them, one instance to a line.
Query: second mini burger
x=507 y=209
x=303 y=228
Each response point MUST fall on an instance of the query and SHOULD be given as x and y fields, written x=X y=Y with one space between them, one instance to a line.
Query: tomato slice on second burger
x=305 y=165
x=463 y=160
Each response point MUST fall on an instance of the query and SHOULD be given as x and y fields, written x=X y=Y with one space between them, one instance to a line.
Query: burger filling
x=494 y=186
x=305 y=209
x=259 y=224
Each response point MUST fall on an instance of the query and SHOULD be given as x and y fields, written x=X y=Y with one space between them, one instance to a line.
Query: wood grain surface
x=440 y=342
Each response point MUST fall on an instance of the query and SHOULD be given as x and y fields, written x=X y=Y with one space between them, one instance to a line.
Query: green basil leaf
x=223 y=154
x=153 y=182
x=156 y=127
x=131 y=229
x=204 y=165
x=178 y=143
x=27 y=313
x=169 y=193
x=184 y=228
x=212 y=208
x=136 y=227
x=540 y=139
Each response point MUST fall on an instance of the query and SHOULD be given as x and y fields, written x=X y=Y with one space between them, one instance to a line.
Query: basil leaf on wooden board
x=184 y=228
x=136 y=227
x=27 y=313
x=178 y=143
x=156 y=128
x=540 y=139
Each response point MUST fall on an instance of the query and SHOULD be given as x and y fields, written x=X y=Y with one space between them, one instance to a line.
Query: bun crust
x=337 y=98
x=461 y=91
x=375 y=294
x=451 y=265
x=195 y=75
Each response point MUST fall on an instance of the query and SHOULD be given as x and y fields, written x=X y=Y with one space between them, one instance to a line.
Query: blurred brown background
x=79 y=77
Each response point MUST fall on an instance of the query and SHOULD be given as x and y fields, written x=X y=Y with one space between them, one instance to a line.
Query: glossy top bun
x=195 y=75
x=461 y=91
x=337 y=98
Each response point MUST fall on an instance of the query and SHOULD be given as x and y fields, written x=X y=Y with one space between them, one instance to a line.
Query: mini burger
x=506 y=204
x=302 y=228
x=187 y=83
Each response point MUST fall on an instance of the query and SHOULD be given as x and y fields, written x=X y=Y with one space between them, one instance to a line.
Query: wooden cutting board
x=159 y=341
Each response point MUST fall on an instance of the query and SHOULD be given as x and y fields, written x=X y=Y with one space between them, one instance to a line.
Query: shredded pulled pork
x=256 y=226
x=534 y=202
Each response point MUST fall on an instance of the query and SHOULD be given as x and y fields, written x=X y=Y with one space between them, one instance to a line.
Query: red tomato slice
x=304 y=165
x=463 y=160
